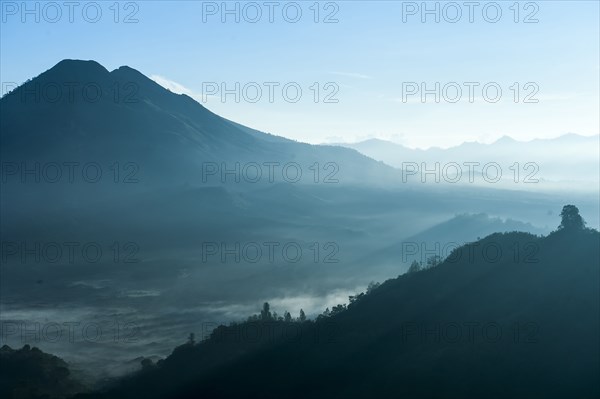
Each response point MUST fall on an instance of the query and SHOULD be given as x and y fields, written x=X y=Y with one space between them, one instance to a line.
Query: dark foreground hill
x=30 y=373
x=513 y=315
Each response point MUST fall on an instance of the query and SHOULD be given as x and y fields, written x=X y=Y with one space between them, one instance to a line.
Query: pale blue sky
x=368 y=54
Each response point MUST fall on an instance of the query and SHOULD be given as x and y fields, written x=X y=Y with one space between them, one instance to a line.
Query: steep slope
x=518 y=322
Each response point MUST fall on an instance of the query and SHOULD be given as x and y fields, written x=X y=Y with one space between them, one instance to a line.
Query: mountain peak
x=89 y=69
x=72 y=68
x=126 y=71
x=505 y=140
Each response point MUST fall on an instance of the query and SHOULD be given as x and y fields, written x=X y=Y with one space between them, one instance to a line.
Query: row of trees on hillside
x=267 y=315
x=432 y=262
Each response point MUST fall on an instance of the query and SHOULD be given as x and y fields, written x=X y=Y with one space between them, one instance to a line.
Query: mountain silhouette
x=578 y=161
x=30 y=373
x=79 y=111
x=518 y=322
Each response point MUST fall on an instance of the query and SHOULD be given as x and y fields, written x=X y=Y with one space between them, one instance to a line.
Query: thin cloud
x=171 y=85
x=178 y=88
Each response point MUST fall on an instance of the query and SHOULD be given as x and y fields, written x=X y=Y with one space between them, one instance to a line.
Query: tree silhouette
x=265 y=313
x=414 y=267
x=337 y=309
x=433 y=261
x=372 y=287
x=287 y=317
x=302 y=316
x=356 y=298
x=571 y=219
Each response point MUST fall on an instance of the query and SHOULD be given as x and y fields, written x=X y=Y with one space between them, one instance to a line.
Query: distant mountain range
x=571 y=159
x=441 y=239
